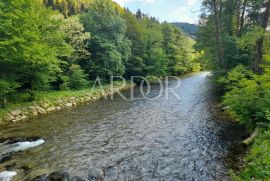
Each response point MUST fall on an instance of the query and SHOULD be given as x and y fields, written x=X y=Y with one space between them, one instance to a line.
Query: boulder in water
x=59 y=176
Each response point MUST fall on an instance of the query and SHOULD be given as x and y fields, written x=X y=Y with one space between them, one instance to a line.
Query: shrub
x=77 y=78
x=6 y=88
x=248 y=96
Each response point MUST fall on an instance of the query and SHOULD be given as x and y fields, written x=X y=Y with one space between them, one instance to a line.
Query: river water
x=165 y=139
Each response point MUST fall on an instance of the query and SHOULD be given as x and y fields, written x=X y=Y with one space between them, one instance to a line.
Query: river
x=164 y=139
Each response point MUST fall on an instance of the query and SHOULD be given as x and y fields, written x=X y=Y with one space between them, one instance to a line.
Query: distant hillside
x=190 y=29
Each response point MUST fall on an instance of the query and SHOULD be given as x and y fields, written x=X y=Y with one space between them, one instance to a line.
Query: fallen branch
x=251 y=139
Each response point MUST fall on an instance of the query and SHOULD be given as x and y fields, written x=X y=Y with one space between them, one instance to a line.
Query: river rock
x=16 y=112
x=9 y=117
x=68 y=104
x=50 y=109
x=4 y=158
x=45 y=105
x=26 y=113
x=40 y=110
x=34 y=113
x=58 y=108
x=31 y=108
x=24 y=117
x=94 y=176
x=17 y=119
x=72 y=98
x=59 y=176
x=88 y=99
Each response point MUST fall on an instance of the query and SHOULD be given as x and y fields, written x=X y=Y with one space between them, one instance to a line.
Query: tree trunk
x=238 y=11
x=264 y=23
x=266 y=14
x=218 y=34
x=242 y=20
x=219 y=2
x=258 y=60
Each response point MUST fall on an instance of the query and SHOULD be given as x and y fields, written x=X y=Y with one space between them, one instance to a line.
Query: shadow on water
x=164 y=139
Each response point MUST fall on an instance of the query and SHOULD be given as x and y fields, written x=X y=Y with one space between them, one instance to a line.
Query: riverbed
x=162 y=139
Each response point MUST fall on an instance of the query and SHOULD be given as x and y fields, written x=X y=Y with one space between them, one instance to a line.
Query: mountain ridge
x=188 y=28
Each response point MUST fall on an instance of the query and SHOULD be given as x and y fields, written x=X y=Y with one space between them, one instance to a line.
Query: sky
x=166 y=10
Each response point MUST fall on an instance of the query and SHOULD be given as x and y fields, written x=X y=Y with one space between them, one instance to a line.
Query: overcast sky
x=166 y=10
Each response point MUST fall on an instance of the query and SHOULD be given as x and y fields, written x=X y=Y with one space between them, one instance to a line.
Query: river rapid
x=164 y=139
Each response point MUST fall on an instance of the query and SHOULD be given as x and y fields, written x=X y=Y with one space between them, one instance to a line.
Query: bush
x=6 y=88
x=77 y=78
x=248 y=96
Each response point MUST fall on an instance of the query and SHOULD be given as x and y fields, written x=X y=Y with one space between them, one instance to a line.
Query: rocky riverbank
x=24 y=112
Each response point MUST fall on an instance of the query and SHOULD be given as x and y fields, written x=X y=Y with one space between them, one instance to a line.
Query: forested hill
x=190 y=29
x=69 y=7
x=44 y=48
x=74 y=7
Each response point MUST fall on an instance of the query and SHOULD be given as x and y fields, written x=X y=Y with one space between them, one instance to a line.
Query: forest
x=235 y=38
x=60 y=45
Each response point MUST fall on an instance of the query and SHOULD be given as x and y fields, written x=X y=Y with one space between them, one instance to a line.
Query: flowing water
x=164 y=139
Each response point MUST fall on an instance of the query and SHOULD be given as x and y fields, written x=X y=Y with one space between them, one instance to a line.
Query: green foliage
x=77 y=38
x=173 y=39
x=135 y=32
x=108 y=41
x=69 y=7
x=258 y=160
x=30 y=43
x=248 y=95
x=77 y=78
x=239 y=35
x=155 y=57
x=249 y=39
x=6 y=88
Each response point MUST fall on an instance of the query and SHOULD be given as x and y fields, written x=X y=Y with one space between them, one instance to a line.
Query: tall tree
x=136 y=34
x=263 y=22
x=31 y=43
x=217 y=16
x=109 y=45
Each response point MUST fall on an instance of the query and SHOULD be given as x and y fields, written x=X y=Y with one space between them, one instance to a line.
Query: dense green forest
x=51 y=45
x=235 y=38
